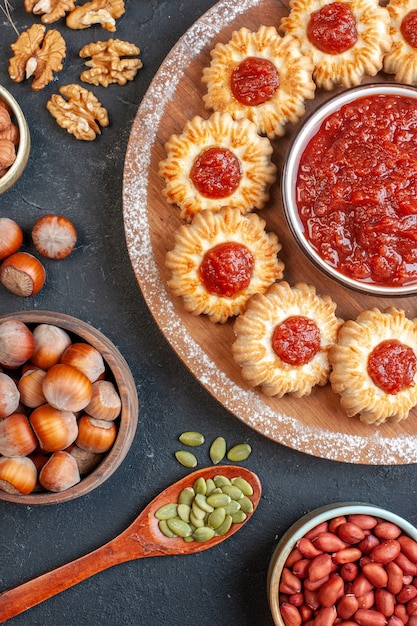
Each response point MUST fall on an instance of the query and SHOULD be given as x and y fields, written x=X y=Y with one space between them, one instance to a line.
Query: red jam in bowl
x=356 y=190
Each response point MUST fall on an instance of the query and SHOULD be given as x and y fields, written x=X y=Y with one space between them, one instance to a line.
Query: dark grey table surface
x=220 y=587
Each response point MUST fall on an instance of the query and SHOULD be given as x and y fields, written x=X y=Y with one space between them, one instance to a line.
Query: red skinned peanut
x=408 y=592
x=347 y=606
x=320 y=528
x=307 y=548
x=347 y=555
x=386 y=551
x=367 y=600
x=384 y=602
x=289 y=583
x=349 y=572
x=387 y=530
x=409 y=547
x=328 y=542
x=369 y=617
x=290 y=615
x=366 y=522
x=325 y=616
x=331 y=591
x=376 y=574
x=395 y=577
x=320 y=567
x=350 y=533
x=408 y=567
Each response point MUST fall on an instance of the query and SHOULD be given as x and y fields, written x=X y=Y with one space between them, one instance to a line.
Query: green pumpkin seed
x=216 y=518
x=203 y=534
x=186 y=496
x=232 y=507
x=201 y=502
x=166 y=511
x=246 y=504
x=239 y=452
x=233 y=491
x=163 y=527
x=218 y=499
x=179 y=527
x=196 y=522
x=225 y=527
x=187 y=459
x=183 y=511
x=197 y=511
x=238 y=517
x=243 y=485
x=210 y=486
x=220 y=481
x=200 y=486
x=191 y=438
x=217 y=450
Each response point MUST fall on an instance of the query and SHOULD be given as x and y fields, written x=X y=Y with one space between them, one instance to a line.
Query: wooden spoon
x=141 y=539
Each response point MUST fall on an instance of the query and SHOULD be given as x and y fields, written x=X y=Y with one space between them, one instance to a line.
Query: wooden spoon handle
x=15 y=601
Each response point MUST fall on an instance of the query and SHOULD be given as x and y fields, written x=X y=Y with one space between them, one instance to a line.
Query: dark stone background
x=83 y=180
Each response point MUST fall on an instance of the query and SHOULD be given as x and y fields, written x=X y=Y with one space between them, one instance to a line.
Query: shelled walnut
x=81 y=113
x=108 y=63
x=104 y=12
x=50 y=10
x=37 y=53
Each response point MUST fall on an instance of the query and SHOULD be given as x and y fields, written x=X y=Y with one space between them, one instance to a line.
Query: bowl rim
x=128 y=418
x=307 y=522
x=308 y=128
x=22 y=156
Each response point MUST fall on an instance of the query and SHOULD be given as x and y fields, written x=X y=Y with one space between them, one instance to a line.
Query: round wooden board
x=315 y=424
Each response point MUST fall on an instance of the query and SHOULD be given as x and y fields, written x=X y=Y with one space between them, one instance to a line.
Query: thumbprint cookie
x=220 y=260
x=260 y=76
x=346 y=40
x=374 y=366
x=217 y=162
x=401 y=60
x=283 y=338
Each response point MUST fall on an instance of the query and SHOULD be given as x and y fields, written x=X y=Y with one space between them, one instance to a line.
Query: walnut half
x=78 y=111
x=50 y=10
x=108 y=63
x=104 y=12
x=37 y=54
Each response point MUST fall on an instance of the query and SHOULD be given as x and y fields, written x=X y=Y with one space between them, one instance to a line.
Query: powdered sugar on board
x=247 y=405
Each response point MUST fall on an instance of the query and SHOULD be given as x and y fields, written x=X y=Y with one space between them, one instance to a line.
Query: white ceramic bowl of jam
x=367 y=534
x=349 y=188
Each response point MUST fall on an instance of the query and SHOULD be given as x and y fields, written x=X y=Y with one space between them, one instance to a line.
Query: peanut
x=320 y=566
x=409 y=547
x=290 y=615
x=347 y=606
x=368 y=617
x=387 y=530
x=386 y=551
x=384 y=602
x=328 y=542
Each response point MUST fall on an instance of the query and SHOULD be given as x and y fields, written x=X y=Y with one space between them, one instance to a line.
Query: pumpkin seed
x=220 y=481
x=239 y=452
x=218 y=499
x=232 y=507
x=216 y=518
x=217 y=450
x=183 y=511
x=210 y=486
x=163 y=527
x=186 y=496
x=191 y=438
x=233 y=491
x=225 y=527
x=238 y=517
x=243 y=485
x=166 y=511
x=246 y=504
x=201 y=502
x=197 y=512
x=200 y=486
x=179 y=527
x=187 y=459
x=196 y=522
x=204 y=534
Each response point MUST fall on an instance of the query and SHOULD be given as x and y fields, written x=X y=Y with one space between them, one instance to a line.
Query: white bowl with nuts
x=347 y=563
x=14 y=140
x=68 y=408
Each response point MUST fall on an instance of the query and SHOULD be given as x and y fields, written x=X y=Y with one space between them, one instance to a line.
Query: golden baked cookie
x=217 y=162
x=260 y=76
x=346 y=40
x=401 y=60
x=220 y=260
x=283 y=338
x=375 y=366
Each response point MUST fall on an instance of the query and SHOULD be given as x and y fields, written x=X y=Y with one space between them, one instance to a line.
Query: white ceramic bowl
x=306 y=523
x=289 y=178
x=15 y=171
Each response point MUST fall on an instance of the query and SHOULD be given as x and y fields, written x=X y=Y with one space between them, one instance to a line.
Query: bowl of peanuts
x=68 y=408
x=14 y=140
x=347 y=563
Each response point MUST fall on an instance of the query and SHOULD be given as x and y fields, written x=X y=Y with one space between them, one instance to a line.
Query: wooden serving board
x=315 y=424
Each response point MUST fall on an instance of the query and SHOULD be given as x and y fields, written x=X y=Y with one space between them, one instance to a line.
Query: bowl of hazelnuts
x=68 y=408
x=14 y=140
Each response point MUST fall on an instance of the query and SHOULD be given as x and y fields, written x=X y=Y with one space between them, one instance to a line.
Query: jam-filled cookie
x=217 y=162
x=401 y=60
x=346 y=40
x=260 y=76
x=283 y=338
x=375 y=366
x=220 y=260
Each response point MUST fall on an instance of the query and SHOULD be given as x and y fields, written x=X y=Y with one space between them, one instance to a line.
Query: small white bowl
x=15 y=171
x=289 y=180
x=306 y=523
